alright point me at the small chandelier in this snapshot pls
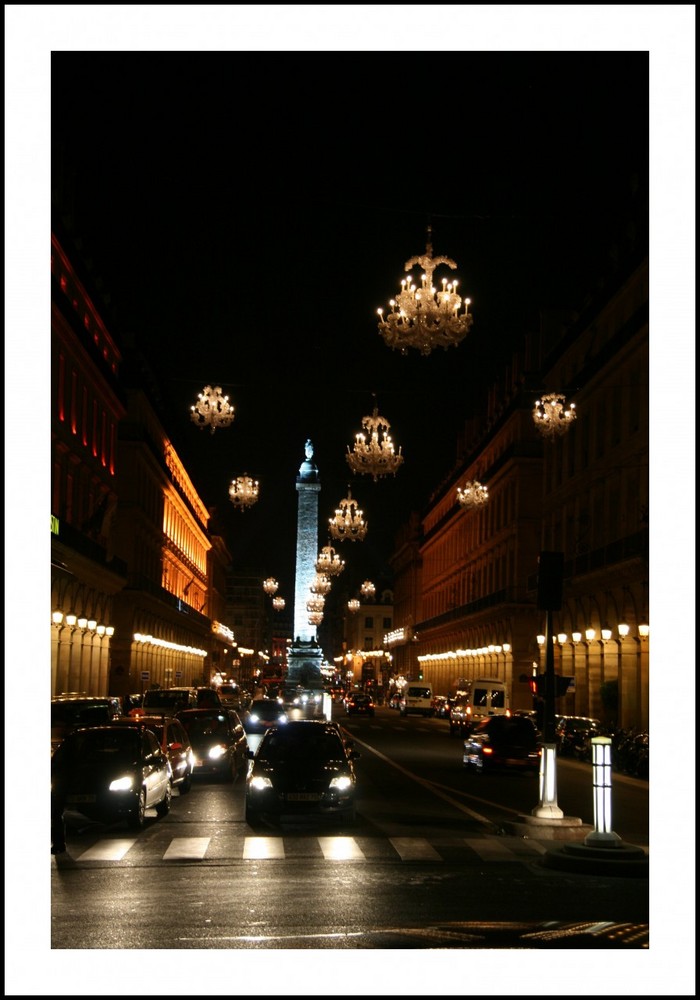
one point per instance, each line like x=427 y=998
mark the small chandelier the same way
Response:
x=316 y=603
x=270 y=586
x=321 y=584
x=368 y=589
x=353 y=606
x=243 y=491
x=551 y=415
x=424 y=318
x=473 y=495
x=315 y=617
x=329 y=562
x=376 y=457
x=212 y=409
x=278 y=603
x=348 y=521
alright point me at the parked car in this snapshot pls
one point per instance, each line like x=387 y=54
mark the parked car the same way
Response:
x=71 y=710
x=218 y=741
x=573 y=735
x=174 y=742
x=111 y=773
x=262 y=714
x=358 y=703
x=502 y=741
x=302 y=769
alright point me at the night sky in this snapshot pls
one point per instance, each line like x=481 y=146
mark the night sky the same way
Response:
x=248 y=212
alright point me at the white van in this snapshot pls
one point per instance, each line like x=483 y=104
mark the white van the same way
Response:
x=417 y=697
x=476 y=700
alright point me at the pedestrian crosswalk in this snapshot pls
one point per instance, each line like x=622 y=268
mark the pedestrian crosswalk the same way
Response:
x=328 y=848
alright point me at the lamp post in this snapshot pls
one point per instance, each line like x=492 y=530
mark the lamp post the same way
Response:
x=550 y=580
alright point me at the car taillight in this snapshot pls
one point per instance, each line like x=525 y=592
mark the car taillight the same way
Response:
x=487 y=749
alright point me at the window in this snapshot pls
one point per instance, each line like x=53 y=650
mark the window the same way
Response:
x=369 y=622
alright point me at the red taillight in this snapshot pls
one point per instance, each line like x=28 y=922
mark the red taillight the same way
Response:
x=487 y=750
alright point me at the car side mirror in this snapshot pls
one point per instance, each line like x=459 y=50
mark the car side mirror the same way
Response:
x=250 y=754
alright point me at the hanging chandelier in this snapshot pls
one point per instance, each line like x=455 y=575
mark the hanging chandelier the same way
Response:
x=353 y=606
x=348 y=521
x=473 y=494
x=424 y=318
x=374 y=457
x=278 y=603
x=368 y=589
x=270 y=586
x=329 y=562
x=552 y=416
x=321 y=584
x=315 y=617
x=243 y=491
x=316 y=603
x=212 y=409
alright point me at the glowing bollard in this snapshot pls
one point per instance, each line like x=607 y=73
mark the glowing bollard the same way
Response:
x=602 y=834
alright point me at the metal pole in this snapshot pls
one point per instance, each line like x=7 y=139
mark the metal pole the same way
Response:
x=547 y=805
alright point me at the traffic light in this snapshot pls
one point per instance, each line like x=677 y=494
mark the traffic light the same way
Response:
x=538 y=685
x=420 y=675
x=550 y=581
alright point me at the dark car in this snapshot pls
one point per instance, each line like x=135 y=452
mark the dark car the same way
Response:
x=111 y=773
x=218 y=741
x=207 y=697
x=502 y=741
x=573 y=735
x=175 y=744
x=359 y=704
x=302 y=769
x=441 y=706
x=262 y=714
x=168 y=701
x=68 y=711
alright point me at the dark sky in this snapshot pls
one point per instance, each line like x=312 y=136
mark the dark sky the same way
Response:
x=248 y=212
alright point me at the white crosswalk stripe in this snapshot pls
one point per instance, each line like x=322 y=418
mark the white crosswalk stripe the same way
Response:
x=340 y=849
x=414 y=849
x=263 y=848
x=187 y=849
x=108 y=850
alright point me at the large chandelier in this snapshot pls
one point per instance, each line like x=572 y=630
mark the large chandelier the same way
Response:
x=329 y=562
x=368 y=589
x=348 y=521
x=243 y=491
x=315 y=617
x=212 y=409
x=316 y=603
x=424 y=318
x=552 y=416
x=473 y=494
x=374 y=457
x=353 y=606
x=270 y=586
x=321 y=584
x=278 y=603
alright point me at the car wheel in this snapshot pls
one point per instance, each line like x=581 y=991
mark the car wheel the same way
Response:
x=163 y=807
x=138 y=816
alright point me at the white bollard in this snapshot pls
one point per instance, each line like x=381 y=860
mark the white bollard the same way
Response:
x=602 y=834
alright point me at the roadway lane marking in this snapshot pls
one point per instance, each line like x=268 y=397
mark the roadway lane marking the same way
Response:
x=414 y=849
x=107 y=850
x=187 y=848
x=340 y=849
x=263 y=847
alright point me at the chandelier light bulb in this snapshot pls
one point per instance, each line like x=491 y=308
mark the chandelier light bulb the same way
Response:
x=424 y=318
x=551 y=415
x=348 y=521
x=373 y=452
x=212 y=409
x=243 y=491
x=472 y=495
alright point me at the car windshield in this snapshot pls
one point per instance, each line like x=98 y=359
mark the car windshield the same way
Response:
x=204 y=724
x=419 y=692
x=107 y=744
x=164 y=699
x=266 y=709
x=79 y=714
x=299 y=744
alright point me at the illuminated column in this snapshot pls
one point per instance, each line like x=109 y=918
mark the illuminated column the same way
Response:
x=70 y=669
x=628 y=680
x=56 y=629
x=595 y=673
x=579 y=658
x=308 y=487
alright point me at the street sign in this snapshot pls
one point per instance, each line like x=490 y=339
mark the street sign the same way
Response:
x=178 y=674
x=145 y=675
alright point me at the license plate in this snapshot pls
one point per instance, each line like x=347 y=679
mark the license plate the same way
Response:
x=81 y=798
x=303 y=797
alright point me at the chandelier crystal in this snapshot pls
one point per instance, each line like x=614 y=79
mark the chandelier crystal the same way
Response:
x=212 y=409
x=368 y=589
x=243 y=491
x=315 y=617
x=423 y=318
x=552 y=416
x=270 y=586
x=348 y=521
x=278 y=603
x=353 y=606
x=321 y=584
x=374 y=457
x=329 y=562
x=473 y=494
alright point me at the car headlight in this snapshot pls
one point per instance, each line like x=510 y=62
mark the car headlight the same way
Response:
x=217 y=752
x=124 y=784
x=255 y=718
x=259 y=782
x=342 y=782
x=282 y=718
